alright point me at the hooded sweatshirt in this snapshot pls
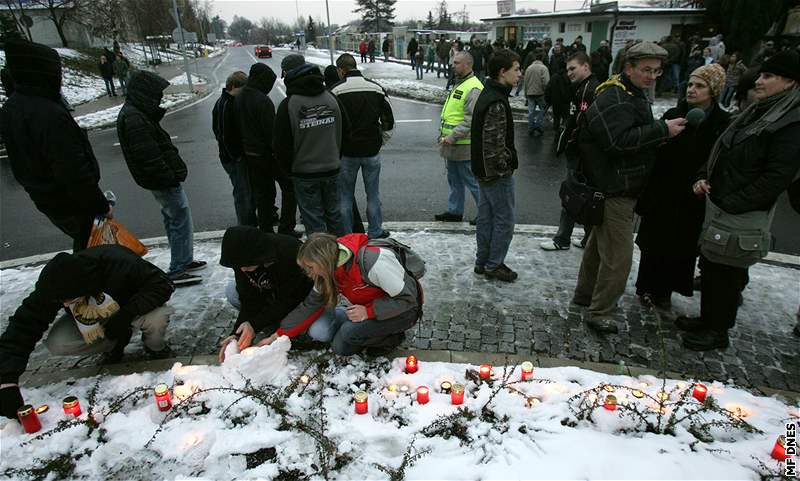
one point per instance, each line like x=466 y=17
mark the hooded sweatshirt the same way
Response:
x=273 y=290
x=309 y=126
x=257 y=112
x=151 y=156
x=135 y=284
x=50 y=155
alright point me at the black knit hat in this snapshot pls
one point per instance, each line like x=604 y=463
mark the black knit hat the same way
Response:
x=786 y=64
x=34 y=64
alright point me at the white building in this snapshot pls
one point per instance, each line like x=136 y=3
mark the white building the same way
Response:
x=600 y=22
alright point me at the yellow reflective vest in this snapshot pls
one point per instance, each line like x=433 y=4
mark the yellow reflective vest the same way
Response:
x=453 y=110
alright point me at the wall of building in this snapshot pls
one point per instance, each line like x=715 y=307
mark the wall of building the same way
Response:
x=44 y=31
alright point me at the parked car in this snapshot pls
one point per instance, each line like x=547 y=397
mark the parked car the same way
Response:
x=262 y=51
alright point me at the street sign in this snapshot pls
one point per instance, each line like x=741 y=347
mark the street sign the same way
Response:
x=189 y=37
x=211 y=37
x=506 y=7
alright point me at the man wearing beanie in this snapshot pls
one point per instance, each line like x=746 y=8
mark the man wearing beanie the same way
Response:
x=50 y=155
x=155 y=165
x=617 y=143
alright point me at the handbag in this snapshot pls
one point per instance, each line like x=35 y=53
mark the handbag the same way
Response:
x=583 y=203
x=109 y=231
x=738 y=240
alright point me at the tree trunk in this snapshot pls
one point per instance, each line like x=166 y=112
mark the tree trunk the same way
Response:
x=59 y=23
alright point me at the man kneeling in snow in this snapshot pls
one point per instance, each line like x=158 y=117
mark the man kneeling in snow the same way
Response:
x=106 y=291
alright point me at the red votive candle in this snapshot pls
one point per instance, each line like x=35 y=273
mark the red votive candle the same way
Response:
x=422 y=395
x=411 y=364
x=30 y=421
x=485 y=371
x=610 y=402
x=779 y=450
x=457 y=394
x=361 y=400
x=700 y=392
x=163 y=399
x=72 y=406
x=527 y=370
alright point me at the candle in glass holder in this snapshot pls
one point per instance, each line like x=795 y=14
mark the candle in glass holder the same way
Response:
x=457 y=394
x=779 y=450
x=163 y=399
x=609 y=388
x=533 y=401
x=403 y=389
x=700 y=392
x=305 y=379
x=411 y=364
x=637 y=393
x=422 y=395
x=445 y=387
x=392 y=388
x=360 y=399
x=527 y=370
x=610 y=402
x=29 y=419
x=485 y=371
x=663 y=395
x=72 y=406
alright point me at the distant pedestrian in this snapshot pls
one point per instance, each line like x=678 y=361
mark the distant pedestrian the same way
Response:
x=442 y=57
x=419 y=57
x=430 y=57
x=49 y=154
x=367 y=106
x=107 y=72
x=121 y=69
x=386 y=48
x=155 y=165
x=309 y=129
x=736 y=68
x=411 y=52
x=535 y=82
x=494 y=160
x=362 y=49
x=371 y=48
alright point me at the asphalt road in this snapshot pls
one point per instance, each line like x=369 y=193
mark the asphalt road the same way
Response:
x=413 y=181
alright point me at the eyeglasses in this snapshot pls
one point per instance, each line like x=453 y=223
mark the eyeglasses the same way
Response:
x=651 y=72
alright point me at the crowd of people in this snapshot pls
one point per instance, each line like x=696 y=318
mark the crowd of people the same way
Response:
x=704 y=183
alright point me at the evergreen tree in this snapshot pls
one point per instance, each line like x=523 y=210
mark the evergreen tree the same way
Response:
x=376 y=14
x=430 y=24
x=311 y=34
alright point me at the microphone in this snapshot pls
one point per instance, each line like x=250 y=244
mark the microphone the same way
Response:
x=695 y=117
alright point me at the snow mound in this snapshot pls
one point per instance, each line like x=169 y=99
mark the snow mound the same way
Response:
x=181 y=80
x=262 y=365
x=108 y=117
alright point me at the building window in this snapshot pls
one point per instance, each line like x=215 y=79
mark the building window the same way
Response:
x=535 y=31
x=575 y=27
x=562 y=27
x=588 y=27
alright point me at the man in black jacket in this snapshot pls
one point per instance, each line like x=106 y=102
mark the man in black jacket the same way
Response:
x=106 y=291
x=257 y=117
x=579 y=71
x=268 y=283
x=411 y=51
x=617 y=140
x=367 y=105
x=156 y=166
x=227 y=130
x=50 y=155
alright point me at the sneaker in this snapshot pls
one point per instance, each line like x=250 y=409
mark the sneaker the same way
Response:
x=552 y=246
x=185 y=279
x=448 y=217
x=196 y=266
x=479 y=270
x=689 y=324
x=602 y=325
x=165 y=353
x=706 y=340
x=580 y=244
x=501 y=273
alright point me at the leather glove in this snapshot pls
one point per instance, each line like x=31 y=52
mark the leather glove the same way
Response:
x=10 y=401
x=118 y=328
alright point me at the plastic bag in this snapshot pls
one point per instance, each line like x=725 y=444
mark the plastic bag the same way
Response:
x=109 y=231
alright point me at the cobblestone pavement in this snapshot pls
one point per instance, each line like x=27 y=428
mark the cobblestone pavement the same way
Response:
x=533 y=316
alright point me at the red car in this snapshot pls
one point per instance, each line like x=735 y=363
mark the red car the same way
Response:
x=263 y=52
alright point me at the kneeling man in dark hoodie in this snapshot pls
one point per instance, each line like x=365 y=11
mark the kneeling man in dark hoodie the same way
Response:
x=268 y=282
x=106 y=291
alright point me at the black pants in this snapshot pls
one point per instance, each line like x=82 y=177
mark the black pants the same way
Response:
x=76 y=225
x=262 y=184
x=721 y=286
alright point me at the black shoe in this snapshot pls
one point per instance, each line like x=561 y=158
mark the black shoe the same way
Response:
x=448 y=217
x=382 y=235
x=696 y=284
x=660 y=302
x=501 y=273
x=579 y=302
x=689 y=324
x=797 y=330
x=602 y=325
x=479 y=270
x=113 y=356
x=474 y=221
x=292 y=233
x=706 y=340
x=185 y=279
x=165 y=353
x=196 y=266
x=389 y=344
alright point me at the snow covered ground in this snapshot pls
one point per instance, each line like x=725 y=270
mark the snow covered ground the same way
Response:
x=134 y=53
x=181 y=80
x=104 y=118
x=255 y=417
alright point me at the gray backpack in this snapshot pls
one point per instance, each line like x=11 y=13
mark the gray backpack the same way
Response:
x=410 y=260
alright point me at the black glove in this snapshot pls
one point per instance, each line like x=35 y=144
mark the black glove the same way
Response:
x=118 y=328
x=10 y=401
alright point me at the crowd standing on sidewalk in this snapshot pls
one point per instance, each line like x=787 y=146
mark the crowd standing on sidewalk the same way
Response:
x=704 y=183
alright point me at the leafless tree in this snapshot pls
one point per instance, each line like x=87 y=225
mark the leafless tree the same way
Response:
x=59 y=12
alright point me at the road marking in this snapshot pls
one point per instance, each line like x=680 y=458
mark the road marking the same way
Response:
x=214 y=72
x=412 y=120
x=172 y=137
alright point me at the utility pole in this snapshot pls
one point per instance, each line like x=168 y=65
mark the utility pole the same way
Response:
x=331 y=44
x=183 y=42
x=554 y=5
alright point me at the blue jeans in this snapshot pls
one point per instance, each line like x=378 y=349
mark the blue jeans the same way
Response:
x=370 y=173
x=320 y=204
x=348 y=337
x=459 y=176
x=535 y=121
x=495 y=222
x=676 y=75
x=242 y=195
x=109 y=86
x=419 y=68
x=727 y=95
x=178 y=224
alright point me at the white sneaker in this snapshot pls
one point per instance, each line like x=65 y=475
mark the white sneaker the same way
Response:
x=552 y=246
x=578 y=243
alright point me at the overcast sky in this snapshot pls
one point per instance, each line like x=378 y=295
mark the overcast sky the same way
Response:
x=342 y=10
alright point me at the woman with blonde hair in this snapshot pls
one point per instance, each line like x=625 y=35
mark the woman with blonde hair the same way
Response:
x=382 y=299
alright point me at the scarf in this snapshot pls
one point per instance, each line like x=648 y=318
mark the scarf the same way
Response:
x=90 y=313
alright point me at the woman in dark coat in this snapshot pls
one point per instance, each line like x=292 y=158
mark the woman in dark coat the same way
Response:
x=672 y=215
x=755 y=160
